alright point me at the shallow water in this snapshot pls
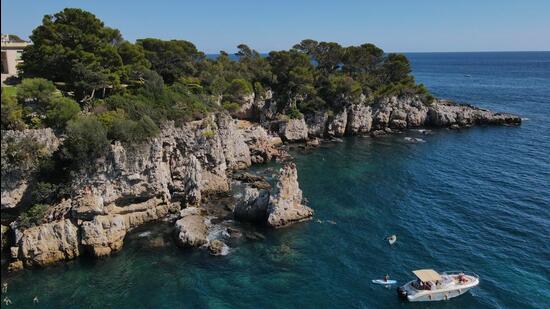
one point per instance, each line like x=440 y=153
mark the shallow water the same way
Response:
x=475 y=199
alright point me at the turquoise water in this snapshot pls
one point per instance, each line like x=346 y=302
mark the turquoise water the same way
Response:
x=476 y=199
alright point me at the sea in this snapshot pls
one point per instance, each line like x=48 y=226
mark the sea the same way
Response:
x=474 y=199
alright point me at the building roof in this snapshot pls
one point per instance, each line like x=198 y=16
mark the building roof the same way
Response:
x=427 y=275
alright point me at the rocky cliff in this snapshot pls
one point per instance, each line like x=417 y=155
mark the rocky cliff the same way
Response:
x=175 y=173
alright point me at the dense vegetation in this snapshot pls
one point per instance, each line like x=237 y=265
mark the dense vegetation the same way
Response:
x=84 y=80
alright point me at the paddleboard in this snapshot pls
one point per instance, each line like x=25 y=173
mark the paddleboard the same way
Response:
x=383 y=282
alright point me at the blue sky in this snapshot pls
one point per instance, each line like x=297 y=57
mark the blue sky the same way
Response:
x=396 y=25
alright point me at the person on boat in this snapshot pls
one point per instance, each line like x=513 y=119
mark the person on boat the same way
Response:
x=386 y=278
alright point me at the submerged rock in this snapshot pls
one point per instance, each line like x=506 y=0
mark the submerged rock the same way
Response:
x=218 y=247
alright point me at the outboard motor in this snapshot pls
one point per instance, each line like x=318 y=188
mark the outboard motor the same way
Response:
x=402 y=293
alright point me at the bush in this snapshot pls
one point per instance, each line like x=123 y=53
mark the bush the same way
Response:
x=231 y=106
x=209 y=133
x=12 y=113
x=43 y=193
x=127 y=130
x=24 y=153
x=61 y=110
x=238 y=88
x=36 y=90
x=86 y=139
x=33 y=215
x=294 y=113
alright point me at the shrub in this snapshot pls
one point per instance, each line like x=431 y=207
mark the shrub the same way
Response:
x=61 y=110
x=238 y=88
x=127 y=130
x=24 y=153
x=86 y=139
x=33 y=215
x=43 y=193
x=208 y=133
x=294 y=113
x=231 y=106
x=12 y=113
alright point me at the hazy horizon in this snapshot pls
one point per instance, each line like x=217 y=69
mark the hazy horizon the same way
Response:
x=400 y=26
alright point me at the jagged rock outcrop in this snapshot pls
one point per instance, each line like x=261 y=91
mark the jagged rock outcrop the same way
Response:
x=46 y=243
x=293 y=130
x=359 y=119
x=261 y=145
x=251 y=202
x=285 y=205
x=316 y=123
x=22 y=152
x=337 y=124
x=235 y=149
x=104 y=234
x=446 y=114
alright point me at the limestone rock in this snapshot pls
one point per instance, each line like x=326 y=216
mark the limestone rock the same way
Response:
x=217 y=247
x=285 y=205
x=337 y=125
x=47 y=243
x=316 y=123
x=359 y=119
x=191 y=231
x=293 y=130
x=104 y=235
x=251 y=203
x=235 y=149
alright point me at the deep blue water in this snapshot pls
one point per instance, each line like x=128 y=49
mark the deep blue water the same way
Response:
x=475 y=199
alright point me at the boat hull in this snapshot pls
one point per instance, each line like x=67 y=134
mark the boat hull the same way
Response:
x=408 y=293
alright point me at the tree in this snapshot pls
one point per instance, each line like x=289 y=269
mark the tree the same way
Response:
x=396 y=69
x=363 y=59
x=171 y=59
x=75 y=48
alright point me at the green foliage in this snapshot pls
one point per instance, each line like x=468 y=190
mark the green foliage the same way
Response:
x=36 y=90
x=43 y=193
x=208 y=133
x=33 y=216
x=86 y=139
x=231 y=106
x=24 y=153
x=294 y=113
x=171 y=59
x=75 y=48
x=61 y=110
x=12 y=113
x=238 y=88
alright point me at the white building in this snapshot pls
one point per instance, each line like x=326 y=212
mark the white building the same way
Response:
x=12 y=48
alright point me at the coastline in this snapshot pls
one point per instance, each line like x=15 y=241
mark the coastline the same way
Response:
x=175 y=175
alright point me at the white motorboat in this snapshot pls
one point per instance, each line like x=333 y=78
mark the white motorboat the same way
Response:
x=432 y=286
